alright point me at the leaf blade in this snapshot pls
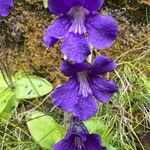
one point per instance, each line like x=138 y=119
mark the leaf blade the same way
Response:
x=28 y=87
x=44 y=130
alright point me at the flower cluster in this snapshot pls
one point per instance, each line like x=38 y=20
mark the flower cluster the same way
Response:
x=5 y=7
x=80 y=26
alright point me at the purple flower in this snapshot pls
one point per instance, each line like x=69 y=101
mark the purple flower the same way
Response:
x=78 y=138
x=5 y=7
x=80 y=25
x=78 y=94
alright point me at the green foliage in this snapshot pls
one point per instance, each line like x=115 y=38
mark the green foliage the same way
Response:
x=130 y=108
x=25 y=87
x=44 y=130
x=28 y=87
x=8 y=103
x=98 y=125
x=146 y=82
x=3 y=84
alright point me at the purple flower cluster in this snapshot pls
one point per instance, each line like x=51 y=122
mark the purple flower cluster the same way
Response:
x=5 y=7
x=78 y=138
x=80 y=26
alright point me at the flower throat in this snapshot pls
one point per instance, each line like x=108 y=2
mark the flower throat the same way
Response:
x=78 y=13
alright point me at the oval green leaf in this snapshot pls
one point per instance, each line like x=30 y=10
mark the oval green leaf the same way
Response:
x=28 y=87
x=3 y=84
x=2 y=81
x=8 y=102
x=44 y=130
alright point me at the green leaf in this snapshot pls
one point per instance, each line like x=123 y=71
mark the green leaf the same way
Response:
x=28 y=87
x=8 y=102
x=2 y=81
x=44 y=130
x=108 y=145
x=98 y=125
x=146 y=82
x=3 y=85
x=45 y=3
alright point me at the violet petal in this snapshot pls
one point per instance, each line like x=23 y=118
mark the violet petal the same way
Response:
x=72 y=69
x=102 y=89
x=102 y=30
x=5 y=7
x=93 y=142
x=103 y=64
x=49 y=41
x=57 y=30
x=66 y=96
x=61 y=6
x=85 y=108
x=64 y=144
x=76 y=47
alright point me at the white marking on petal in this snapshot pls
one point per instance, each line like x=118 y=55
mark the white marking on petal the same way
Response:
x=78 y=13
x=85 y=89
x=79 y=143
